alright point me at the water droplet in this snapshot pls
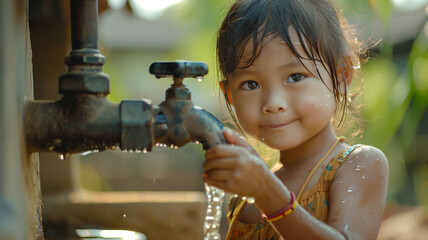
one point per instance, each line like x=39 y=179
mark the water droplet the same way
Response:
x=358 y=168
x=88 y=152
x=250 y=200
x=62 y=156
x=199 y=78
x=349 y=189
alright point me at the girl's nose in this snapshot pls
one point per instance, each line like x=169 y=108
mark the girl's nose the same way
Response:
x=274 y=102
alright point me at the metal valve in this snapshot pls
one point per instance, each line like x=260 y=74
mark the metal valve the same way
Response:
x=178 y=71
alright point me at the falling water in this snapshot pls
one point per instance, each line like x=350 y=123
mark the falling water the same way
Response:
x=215 y=199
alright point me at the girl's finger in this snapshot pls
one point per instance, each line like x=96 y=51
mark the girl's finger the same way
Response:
x=218 y=175
x=221 y=163
x=236 y=139
x=221 y=151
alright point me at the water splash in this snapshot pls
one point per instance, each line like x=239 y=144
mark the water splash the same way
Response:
x=215 y=199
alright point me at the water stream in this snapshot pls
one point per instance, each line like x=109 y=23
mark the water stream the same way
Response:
x=215 y=199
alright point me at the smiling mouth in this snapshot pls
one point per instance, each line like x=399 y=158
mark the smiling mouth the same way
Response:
x=275 y=125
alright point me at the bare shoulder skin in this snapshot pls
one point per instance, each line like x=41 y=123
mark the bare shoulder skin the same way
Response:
x=358 y=193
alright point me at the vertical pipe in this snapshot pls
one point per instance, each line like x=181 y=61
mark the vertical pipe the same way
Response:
x=84 y=28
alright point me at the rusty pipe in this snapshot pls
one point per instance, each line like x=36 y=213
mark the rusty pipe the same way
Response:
x=85 y=122
x=75 y=123
x=84 y=119
x=84 y=27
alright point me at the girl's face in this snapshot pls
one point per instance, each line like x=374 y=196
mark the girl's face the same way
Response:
x=277 y=100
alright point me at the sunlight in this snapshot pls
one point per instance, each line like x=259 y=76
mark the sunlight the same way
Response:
x=409 y=4
x=151 y=9
x=116 y=4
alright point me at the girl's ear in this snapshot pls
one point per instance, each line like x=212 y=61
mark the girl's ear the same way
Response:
x=346 y=75
x=226 y=92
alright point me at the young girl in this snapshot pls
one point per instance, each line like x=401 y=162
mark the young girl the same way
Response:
x=287 y=65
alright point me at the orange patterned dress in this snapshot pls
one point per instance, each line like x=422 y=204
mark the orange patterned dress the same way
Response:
x=315 y=201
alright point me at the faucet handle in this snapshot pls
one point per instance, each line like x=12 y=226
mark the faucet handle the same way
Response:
x=179 y=69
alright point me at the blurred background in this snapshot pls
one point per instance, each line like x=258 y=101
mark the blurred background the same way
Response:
x=135 y=33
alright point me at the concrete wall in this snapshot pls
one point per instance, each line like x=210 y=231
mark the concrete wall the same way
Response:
x=20 y=197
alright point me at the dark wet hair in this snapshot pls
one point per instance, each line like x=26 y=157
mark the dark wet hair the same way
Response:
x=323 y=33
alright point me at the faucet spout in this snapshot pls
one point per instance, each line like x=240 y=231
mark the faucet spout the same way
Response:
x=178 y=122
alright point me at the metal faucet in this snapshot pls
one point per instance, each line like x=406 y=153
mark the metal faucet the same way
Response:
x=84 y=119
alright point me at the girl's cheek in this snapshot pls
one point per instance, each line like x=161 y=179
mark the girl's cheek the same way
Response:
x=309 y=107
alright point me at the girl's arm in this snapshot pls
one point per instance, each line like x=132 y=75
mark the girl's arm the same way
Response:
x=357 y=195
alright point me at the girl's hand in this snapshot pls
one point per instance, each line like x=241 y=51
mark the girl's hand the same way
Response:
x=235 y=167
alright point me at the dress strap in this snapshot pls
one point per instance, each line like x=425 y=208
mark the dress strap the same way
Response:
x=234 y=216
x=341 y=139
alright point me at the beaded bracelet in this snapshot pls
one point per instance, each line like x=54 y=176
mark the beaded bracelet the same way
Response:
x=283 y=212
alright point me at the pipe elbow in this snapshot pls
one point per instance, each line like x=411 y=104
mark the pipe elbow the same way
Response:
x=178 y=122
x=204 y=128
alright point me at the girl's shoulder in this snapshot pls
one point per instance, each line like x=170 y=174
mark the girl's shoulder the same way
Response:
x=364 y=160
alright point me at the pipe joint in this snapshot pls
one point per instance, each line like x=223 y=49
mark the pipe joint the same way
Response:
x=136 y=121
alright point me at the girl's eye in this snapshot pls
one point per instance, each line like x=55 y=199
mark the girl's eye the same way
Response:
x=250 y=85
x=295 y=77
